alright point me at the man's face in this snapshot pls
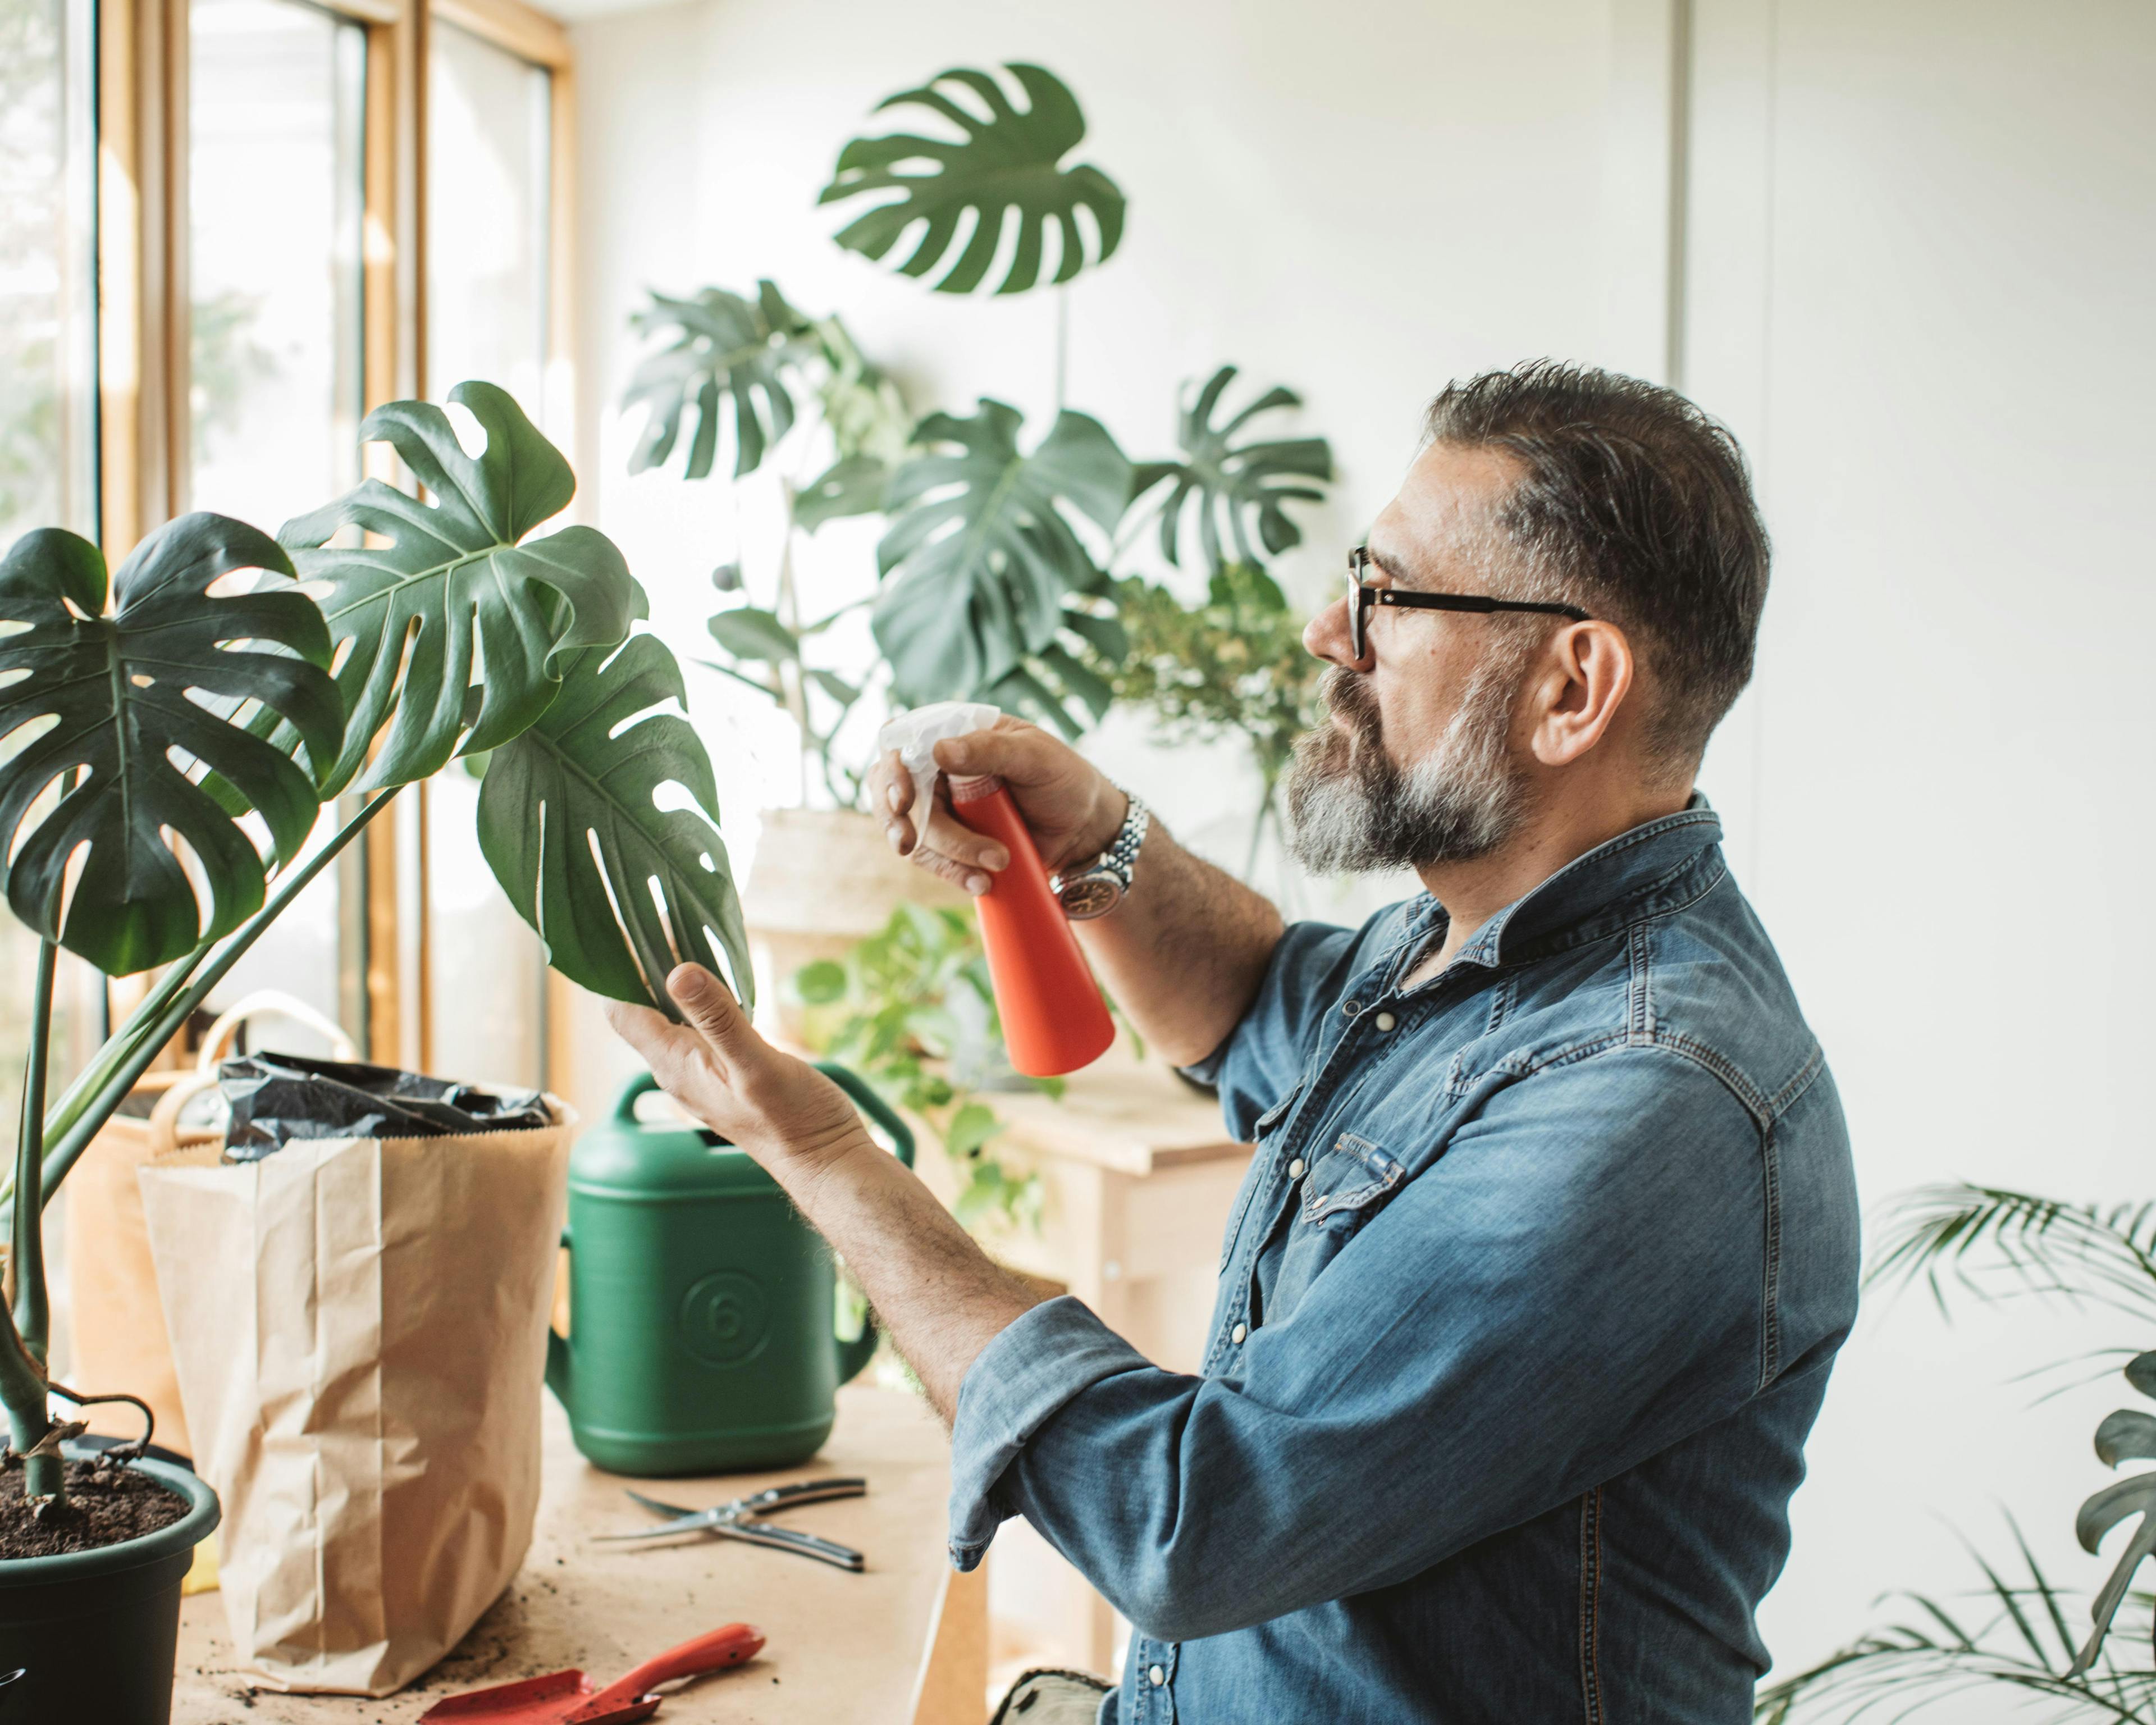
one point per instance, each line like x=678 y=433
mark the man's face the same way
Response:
x=1417 y=764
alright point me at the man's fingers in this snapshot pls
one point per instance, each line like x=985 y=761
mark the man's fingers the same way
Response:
x=890 y=788
x=644 y=1030
x=950 y=836
x=962 y=876
x=710 y=1008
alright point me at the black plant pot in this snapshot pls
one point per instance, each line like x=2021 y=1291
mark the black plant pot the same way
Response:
x=92 y=1635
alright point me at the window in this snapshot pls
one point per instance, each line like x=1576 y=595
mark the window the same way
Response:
x=48 y=423
x=48 y=350
x=276 y=197
x=490 y=301
x=223 y=204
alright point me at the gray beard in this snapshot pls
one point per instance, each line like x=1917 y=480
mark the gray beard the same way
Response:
x=1352 y=810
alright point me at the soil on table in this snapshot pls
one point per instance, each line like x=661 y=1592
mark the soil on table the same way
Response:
x=105 y=1505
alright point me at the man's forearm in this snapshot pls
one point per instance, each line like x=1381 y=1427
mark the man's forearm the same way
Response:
x=1184 y=952
x=938 y=1295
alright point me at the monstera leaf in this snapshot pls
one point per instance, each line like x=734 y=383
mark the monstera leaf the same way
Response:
x=1056 y=685
x=1236 y=487
x=618 y=888
x=980 y=555
x=140 y=704
x=2127 y=1434
x=457 y=625
x=853 y=484
x=724 y=352
x=1006 y=162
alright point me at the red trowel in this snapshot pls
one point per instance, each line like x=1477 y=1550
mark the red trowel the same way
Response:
x=568 y=1698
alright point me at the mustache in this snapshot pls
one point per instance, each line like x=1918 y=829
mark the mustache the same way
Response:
x=1346 y=694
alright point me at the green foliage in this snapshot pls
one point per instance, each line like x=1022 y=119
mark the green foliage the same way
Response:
x=1009 y=161
x=2021 y=1644
x=1996 y=1244
x=1233 y=667
x=981 y=560
x=1993 y=1243
x=618 y=889
x=885 y=1009
x=116 y=697
x=1234 y=488
x=487 y=616
x=720 y=351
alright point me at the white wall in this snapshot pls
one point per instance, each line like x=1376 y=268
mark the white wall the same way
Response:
x=1920 y=256
x=1914 y=279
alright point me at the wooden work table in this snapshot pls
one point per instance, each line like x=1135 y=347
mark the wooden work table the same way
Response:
x=904 y=1643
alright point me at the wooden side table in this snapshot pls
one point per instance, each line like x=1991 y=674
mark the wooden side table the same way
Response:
x=1140 y=1175
x=906 y=1643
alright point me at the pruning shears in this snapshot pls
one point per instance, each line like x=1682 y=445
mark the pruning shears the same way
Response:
x=744 y=1519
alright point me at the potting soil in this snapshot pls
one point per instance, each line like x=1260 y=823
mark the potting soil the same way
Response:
x=106 y=1504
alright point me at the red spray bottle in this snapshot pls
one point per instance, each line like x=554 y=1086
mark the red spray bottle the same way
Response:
x=1054 y=1019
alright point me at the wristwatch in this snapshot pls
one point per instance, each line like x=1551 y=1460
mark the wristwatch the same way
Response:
x=1095 y=890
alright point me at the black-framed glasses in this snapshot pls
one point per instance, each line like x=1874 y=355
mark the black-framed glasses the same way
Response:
x=1361 y=596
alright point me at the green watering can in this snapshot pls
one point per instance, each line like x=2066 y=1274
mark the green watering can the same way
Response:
x=700 y=1303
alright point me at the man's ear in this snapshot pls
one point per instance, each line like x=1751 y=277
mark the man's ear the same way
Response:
x=1584 y=676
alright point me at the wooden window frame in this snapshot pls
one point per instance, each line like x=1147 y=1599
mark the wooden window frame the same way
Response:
x=142 y=346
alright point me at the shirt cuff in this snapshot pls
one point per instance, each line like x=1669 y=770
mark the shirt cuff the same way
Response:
x=1016 y=1385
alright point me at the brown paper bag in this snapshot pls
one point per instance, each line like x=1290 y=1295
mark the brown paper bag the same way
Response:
x=116 y=1329
x=360 y=1329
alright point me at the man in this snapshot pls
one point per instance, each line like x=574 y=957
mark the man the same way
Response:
x=1527 y=1303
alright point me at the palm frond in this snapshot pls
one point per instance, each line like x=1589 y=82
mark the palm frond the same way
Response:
x=1908 y=1669
x=1995 y=1244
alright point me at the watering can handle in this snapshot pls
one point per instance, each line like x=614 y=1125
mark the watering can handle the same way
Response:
x=863 y=1097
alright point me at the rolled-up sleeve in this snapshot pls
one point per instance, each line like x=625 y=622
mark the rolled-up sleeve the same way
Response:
x=1574 y=1285
x=1016 y=1383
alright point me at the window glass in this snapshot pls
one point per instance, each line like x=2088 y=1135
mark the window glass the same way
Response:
x=48 y=324
x=276 y=200
x=487 y=230
x=488 y=163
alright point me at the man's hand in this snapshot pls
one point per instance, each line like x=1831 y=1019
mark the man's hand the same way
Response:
x=780 y=1110
x=937 y=1295
x=1071 y=807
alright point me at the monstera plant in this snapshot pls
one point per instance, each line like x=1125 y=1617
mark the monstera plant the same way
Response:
x=176 y=731
x=997 y=568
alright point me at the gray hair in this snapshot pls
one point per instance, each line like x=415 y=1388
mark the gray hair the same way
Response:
x=1637 y=507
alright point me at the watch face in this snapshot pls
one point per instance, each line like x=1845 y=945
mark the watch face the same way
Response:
x=1091 y=895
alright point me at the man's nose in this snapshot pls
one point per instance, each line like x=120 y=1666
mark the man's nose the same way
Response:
x=1325 y=636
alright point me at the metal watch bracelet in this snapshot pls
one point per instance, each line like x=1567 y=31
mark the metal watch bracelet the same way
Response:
x=1098 y=889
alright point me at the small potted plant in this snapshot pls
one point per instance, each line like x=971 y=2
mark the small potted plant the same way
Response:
x=175 y=732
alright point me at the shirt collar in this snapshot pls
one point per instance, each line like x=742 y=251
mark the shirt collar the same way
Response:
x=1595 y=894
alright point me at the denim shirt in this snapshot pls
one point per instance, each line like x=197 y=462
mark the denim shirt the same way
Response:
x=1527 y=1305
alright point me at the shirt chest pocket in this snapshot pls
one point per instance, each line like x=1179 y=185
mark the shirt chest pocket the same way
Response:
x=1348 y=1179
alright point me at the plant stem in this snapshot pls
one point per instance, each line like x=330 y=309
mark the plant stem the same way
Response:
x=32 y=1311
x=117 y=1047
x=64 y=1154
x=29 y=1404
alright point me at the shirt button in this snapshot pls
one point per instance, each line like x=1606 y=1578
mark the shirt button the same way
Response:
x=1386 y=1021
x=1295 y=1169
x=1239 y=1335
x=1351 y=1008
x=1156 y=1677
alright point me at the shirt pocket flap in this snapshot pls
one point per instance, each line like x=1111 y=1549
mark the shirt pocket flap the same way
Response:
x=1350 y=1176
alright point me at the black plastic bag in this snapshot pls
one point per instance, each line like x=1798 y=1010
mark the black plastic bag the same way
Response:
x=275 y=1098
